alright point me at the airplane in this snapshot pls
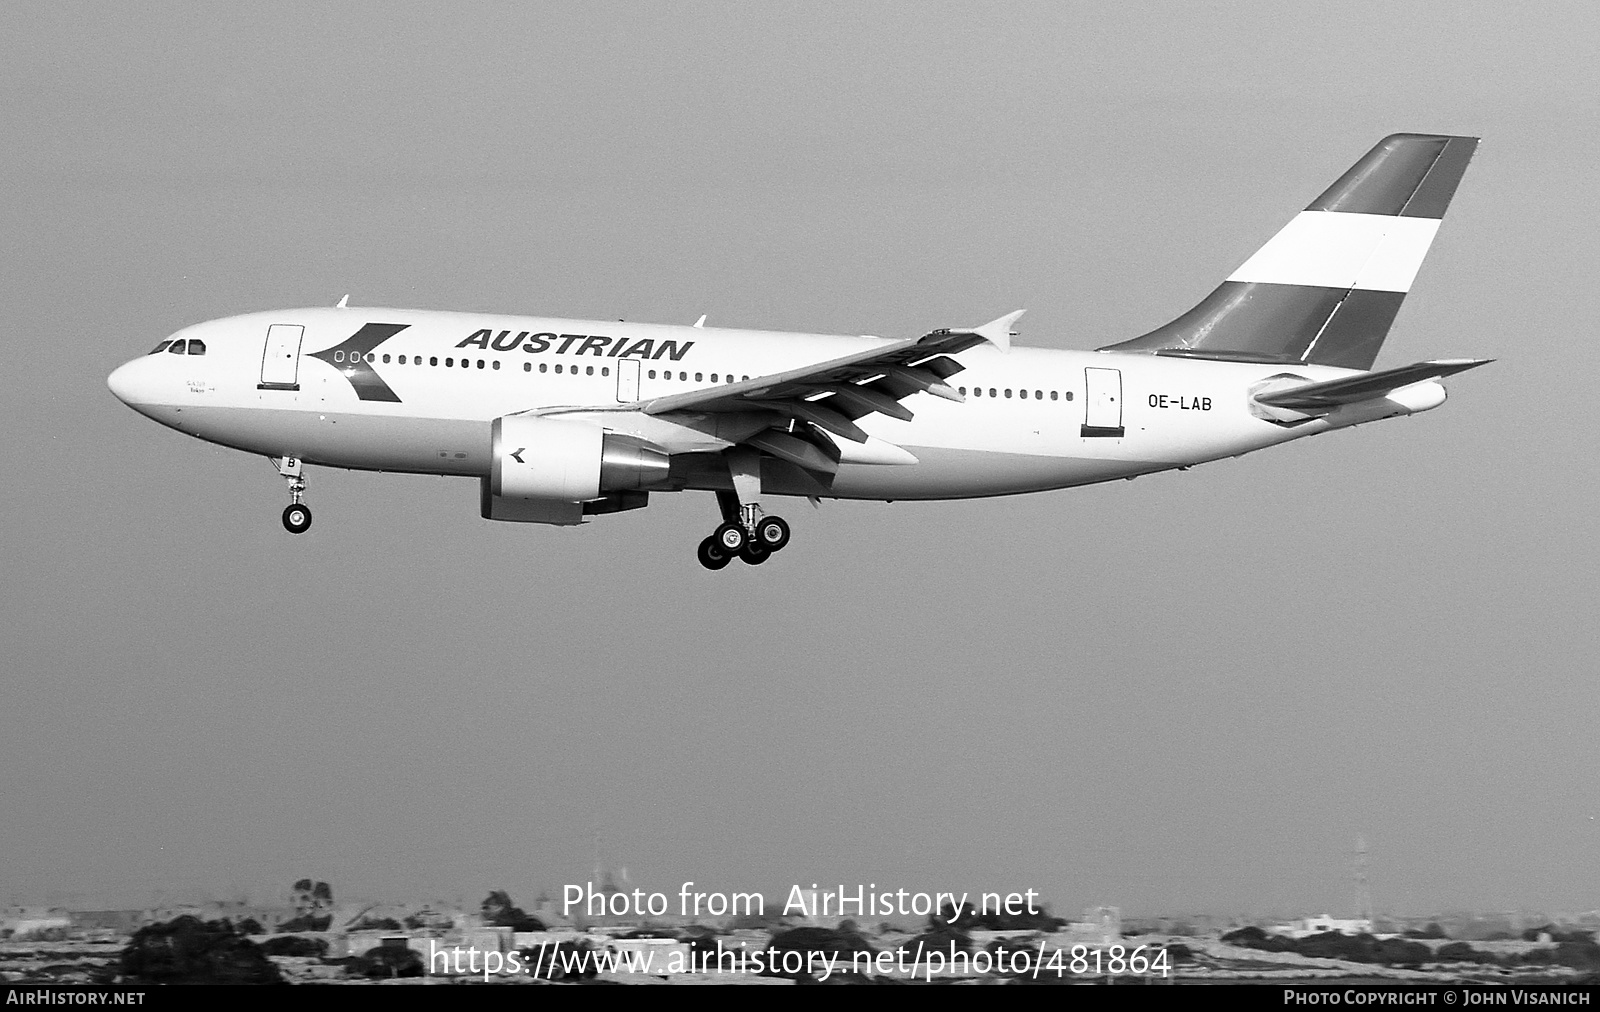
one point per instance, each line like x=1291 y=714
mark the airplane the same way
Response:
x=562 y=420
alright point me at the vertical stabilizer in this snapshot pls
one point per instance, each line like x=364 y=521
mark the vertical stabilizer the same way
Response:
x=1325 y=289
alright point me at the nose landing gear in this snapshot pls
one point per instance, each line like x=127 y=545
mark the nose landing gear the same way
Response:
x=297 y=515
x=296 y=518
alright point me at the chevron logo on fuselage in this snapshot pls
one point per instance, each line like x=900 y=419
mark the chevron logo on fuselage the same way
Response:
x=353 y=359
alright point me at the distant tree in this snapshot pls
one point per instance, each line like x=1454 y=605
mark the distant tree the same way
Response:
x=389 y=961
x=1252 y=937
x=498 y=911
x=826 y=941
x=1432 y=931
x=376 y=924
x=939 y=937
x=295 y=945
x=1461 y=952
x=307 y=922
x=311 y=897
x=186 y=950
x=1402 y=952
x=251 y=926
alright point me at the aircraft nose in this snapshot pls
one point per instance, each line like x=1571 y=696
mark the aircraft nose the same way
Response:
x=125 y=383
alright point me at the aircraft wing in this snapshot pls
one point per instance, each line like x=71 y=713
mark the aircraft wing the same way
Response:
x=829 y=396
x=1350 y=389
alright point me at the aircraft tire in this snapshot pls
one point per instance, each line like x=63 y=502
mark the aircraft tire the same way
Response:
x=731 y=538
x=754 y=553
x=773 y=533
x=297 y=518
x=711 y=554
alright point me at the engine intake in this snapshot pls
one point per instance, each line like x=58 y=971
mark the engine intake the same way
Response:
x=552 y=458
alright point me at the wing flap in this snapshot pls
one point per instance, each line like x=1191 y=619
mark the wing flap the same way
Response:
x=832 y=394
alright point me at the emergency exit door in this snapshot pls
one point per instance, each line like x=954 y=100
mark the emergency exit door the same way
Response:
x=627 y=380
x=1102 y=402
x=280 y=359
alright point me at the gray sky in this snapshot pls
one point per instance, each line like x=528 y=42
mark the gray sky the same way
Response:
x=1189 y=692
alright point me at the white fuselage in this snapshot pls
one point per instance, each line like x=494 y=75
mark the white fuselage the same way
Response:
x=1032 y=419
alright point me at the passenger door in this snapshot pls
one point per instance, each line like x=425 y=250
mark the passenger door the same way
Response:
x=280 y=358
x=627 y=380
x=1102 y=402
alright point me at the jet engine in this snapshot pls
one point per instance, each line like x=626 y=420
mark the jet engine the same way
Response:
x=568 y=461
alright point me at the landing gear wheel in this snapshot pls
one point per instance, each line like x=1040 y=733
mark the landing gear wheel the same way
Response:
x=297 y=518
x=711 y=554
x=754 y=553
x=730 y=538
x=772 y=533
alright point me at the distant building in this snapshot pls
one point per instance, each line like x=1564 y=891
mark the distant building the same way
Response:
x=34 y=923
x=1317 y=925
x=1101 y=926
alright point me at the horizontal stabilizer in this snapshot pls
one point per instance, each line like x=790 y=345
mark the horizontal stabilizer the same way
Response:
x=1351 y=389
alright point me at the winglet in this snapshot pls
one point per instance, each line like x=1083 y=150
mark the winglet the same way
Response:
x=701 y=322
x=343 y=303
x=998 y=332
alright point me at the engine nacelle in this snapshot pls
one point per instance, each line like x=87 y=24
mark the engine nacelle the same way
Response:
x=570 y=461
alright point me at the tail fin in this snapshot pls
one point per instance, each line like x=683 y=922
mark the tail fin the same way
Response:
x=1325 y=290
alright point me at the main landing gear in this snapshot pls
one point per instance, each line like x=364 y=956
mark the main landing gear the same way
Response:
x=745 y=531
x=297 y=515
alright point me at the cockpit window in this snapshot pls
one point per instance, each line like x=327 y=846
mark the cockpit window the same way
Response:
x=176 y=349
x=197 y=347
x=158 y=349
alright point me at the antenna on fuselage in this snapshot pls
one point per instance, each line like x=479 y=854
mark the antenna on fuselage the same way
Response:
x=343 y=303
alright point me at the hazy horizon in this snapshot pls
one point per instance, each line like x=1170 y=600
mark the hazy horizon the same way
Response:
x=1188 y=692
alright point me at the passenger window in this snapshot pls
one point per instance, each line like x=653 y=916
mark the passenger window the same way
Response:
x=544 y=367
x=652 y=371
x=683 y=376
x=992 y=393
x=1038 y=395
x=480 y=363
x=699 y=377
x=497 y=363
x=713 y=377
x=1023 y=394
x=176 y=349
x=197 y=347
x=158 y=349
x=605 y=370
x=1068 y=395
x=386 y=360
x=433 y=360
x=402 y=360
x=558 y=369
x=744 y=378
x=1008 y=391
x=963 y=391
x=1052 y=395
x=588 y=370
